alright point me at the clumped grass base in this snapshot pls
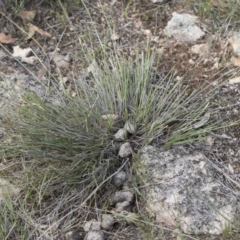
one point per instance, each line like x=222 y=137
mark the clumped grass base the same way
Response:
x=65 y=151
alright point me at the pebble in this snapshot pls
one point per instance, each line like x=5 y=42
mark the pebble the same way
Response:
x=130 y=126
x=95 y=235
x=120 y=135
x=107 y=221
x=73 y=236
x=125 y=150
x=92 y=225
x=123 y=206
x=121 y=196
x=119 y=179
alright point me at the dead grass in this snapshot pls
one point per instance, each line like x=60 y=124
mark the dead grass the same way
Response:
x=222 y=15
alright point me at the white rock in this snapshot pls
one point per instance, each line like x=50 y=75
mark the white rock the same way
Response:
x=183 y=28
x=115 y=37
x=73 y=236
x=110 y=116
x=23 y=53
x=147 y=32
x=107 y=221
x=125 y=150
x=92 y=225
x=120 y=135
x=60 y=60
x=235 y=42
x=234 y=80
x=95 y=235
x=191 y=61
x=182 y=190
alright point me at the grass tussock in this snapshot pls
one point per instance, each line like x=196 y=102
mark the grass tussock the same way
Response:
x=129 y=89
x=65 y=149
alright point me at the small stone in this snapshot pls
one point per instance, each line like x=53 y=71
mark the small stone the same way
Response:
x=73 y=236
x=59 y=60
x=120 y=135
x=235 y=42
x=130 y=126
x=115 y=37
x=121 y=196
x=95 y=235
x=68 y=57
x=178 y=78
x=234 y=80
x=107 y=221
x=92 y=225
x=216 y=65
x=235 y=61
x=147 y=32
x=110 y=116
x=123 y=206
x=191 y=61
x=119 y=179
x=125 y=150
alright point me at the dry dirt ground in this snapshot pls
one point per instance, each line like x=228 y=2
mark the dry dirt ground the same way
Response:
x=127 y=25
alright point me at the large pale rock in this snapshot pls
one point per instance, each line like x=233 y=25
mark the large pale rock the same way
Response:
x=183 y=28
x=183 y=192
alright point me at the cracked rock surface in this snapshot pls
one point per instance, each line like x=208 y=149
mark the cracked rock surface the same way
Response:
x=183 y=190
